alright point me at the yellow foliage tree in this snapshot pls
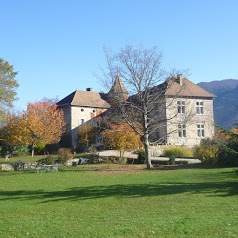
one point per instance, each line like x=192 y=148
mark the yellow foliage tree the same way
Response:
x=121 y=137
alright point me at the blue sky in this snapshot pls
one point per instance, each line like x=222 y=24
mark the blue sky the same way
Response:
x=57 y=45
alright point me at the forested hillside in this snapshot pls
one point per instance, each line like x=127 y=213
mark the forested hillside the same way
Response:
x=226 y=101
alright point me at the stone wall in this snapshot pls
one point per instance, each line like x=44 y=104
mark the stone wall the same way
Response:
x=18 y=166
x=157 y=150
x=6 y=167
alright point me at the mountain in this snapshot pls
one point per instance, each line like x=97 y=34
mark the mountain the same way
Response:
x=226 y=101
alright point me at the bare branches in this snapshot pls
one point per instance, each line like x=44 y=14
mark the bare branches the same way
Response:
x=149 y=110
x=140 y=71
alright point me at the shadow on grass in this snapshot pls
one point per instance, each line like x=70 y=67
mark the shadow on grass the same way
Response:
x=221 y=189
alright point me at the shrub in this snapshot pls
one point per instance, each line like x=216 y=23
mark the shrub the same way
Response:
x=21 y=150
x=141 y=159
x=92 y=150
x=228 y=153
x=227 y=156
x=207 y=151
x=40 y=149
x=6 y=150
x=172 y=159
x=48 y=160
x=94 y=158
x=18 y=150
x=122 y=160
x=109 y=159
x=177 y=151
x=64 y=154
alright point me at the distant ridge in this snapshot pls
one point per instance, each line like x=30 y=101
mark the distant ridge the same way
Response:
x=226 y=101
x=219 y=84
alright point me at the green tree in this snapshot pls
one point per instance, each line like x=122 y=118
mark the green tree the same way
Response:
x=8 y=86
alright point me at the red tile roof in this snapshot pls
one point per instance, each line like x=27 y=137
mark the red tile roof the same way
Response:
x=185 y=88
x=85 y=99
x=179 y=86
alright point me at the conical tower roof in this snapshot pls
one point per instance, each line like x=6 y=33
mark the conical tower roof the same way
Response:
x=118 y=89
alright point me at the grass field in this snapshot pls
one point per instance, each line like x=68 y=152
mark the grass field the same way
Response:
x=120 y=201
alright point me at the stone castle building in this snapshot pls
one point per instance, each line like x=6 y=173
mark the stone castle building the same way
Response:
x=186 y=111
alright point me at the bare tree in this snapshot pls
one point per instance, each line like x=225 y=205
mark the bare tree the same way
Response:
x=141 y=72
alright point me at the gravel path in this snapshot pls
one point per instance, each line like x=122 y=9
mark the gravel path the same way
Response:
x=154 y=158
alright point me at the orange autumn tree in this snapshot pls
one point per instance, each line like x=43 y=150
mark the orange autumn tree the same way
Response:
x=43 y=123
x=121 y=137
x=11 y=132
x=220 y=135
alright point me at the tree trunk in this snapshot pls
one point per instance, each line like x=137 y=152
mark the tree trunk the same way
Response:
x=147 y=152
x=146 y=138
x=32 y=150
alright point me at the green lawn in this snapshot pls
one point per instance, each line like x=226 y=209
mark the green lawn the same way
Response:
x=114 y=201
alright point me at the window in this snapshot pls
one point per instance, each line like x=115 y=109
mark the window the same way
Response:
x=82 y=110
x=199 y=107
x=182 y=130
x=82 y=121
x=200 y=130
x=181 y=107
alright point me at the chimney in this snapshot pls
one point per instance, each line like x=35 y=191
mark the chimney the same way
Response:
x=180 y=79
x=89 y=89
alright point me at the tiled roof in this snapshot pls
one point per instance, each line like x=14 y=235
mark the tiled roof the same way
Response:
x=85 y=99
x=183 y=87
x=179 y=86
x=119 y=89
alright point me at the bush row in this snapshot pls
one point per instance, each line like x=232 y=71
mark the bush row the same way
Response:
x=212 y=152
x=209 y=152
x=178 y=151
